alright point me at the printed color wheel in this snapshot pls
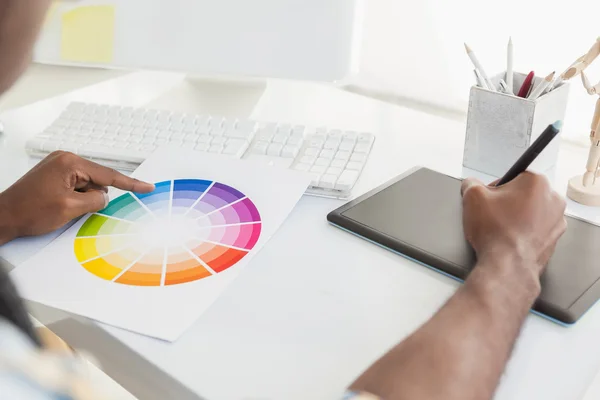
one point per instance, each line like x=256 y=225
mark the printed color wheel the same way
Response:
x=184 y=230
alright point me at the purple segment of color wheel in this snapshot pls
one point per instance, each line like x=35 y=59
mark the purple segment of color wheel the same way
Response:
x=243 y=211
x=217 y=197
x=246 y=211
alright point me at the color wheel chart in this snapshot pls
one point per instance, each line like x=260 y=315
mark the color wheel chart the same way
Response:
x=184 y=230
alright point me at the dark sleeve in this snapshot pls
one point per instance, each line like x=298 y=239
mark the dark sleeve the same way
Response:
x=12 y=308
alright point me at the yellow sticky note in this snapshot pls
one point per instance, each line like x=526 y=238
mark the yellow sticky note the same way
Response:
x=88 y=34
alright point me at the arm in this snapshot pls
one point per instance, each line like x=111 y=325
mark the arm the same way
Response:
x=20 y=24
x=461 y=352
x=60 y=188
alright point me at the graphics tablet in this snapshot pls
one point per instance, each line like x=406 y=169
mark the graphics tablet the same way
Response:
x=419 y=215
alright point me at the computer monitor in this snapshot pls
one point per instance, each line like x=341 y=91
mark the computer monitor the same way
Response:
x=298 y=39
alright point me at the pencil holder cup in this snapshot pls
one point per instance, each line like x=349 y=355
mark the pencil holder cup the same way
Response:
x=501 y=126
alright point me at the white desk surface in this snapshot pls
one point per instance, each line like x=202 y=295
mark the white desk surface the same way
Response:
x=317 y=305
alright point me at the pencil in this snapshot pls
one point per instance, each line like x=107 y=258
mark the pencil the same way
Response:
x=480 y=80
x=509 y=65
x=541 y=87
x=478 y=66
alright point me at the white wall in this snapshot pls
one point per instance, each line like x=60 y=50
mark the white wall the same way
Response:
x=416 y=47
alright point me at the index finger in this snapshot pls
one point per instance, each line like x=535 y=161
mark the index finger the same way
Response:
x=105 y=176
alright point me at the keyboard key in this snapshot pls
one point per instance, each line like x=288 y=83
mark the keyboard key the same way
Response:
x=318 y=169
x=52 y=145
x=298 y=130
x=319 y=136
x=36 y=144
x=69 y=146
x=260 y=148
x=217 y=131
x=125 y=130
x=205 y=139
x=358 y=157
x=177 y=135
x=316 y=143
x=202 y=121
x=151 y=133
x=335 y=134
x=149 y=148
x=150 y=123
x=311 y=151
x=279 y=138
x=269 y=127
x=190 y=137
x=133 y=155
x=202 y=147
x=328 y=181
x=219 y=140
x=316 y=177
x=338 y=163
x=346 y=180
x=235 y=147
x=321 y=161
x=120 y=145
x=247 y=125
x=138 y=132
x=362 y=147
x=365 y=138
x=216 y=149
x=331 y=144
x=347 y=145
x=190 y=127
x=310 y=160
x=342 y=155
x=147 y=140
x=350 y=135
x=265 y=136
x=229 y=124
x=164 y=116
x=126 y=112
x=137 y=123
x=176 y=142
x=177 y=117
x=176 y=127
x=239 y=134
x=333 y=171
x=327 y=154
x=302 y=167
x=290 y=151
x=295 y=140
x=274 y=149
x=160 y=142
x=284 y=129
x=163 y=125
x=354 y=166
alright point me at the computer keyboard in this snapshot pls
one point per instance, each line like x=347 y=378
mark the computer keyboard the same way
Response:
x=122 y=138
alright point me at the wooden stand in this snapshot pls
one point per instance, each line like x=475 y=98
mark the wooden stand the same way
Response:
x=586 y=195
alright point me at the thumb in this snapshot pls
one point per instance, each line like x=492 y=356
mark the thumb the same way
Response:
x=468 y=184
x=90 y=201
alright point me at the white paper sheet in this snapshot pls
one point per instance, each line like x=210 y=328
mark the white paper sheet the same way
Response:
x=56 y=276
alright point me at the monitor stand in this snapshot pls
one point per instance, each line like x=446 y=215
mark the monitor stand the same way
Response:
x=212 y=96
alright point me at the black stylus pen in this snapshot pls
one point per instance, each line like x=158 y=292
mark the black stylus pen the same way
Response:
x=531 y=153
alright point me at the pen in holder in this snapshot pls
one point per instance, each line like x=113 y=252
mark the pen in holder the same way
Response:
x=501 y=126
